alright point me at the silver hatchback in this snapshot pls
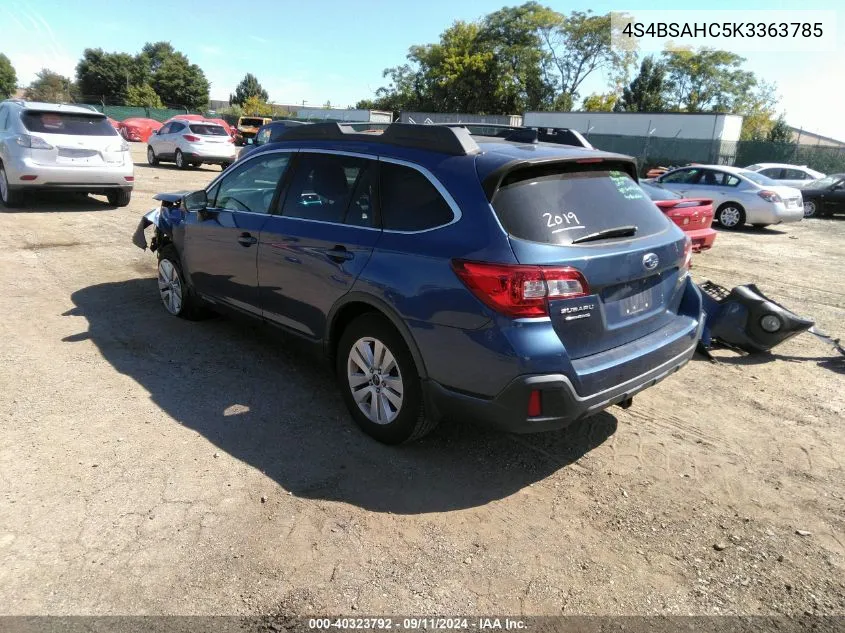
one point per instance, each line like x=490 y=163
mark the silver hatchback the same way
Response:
x=739 y=196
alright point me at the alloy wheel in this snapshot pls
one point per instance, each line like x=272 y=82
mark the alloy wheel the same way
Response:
x=170 y=286
x=809 y=209
x=375 y=380
x=729 y=217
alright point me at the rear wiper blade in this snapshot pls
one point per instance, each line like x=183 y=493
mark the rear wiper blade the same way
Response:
x=619 y=231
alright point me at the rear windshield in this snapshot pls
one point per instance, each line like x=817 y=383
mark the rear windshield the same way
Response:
x=252 y=122
x=657 y=191
x=208 y=130
x=67 y=123
x=760 y=179
x=552 y=206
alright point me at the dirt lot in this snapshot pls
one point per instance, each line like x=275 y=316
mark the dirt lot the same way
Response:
x=151 y=465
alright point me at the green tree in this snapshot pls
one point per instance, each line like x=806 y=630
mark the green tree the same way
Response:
x=249 y=87
x=143 y=97
x=781 y=132
x=257 y=106
x=706 y=80
x=51 y=87
x=579 y=45
x=178 y=82
x=646 y=92
x=153 y=55
x=758 y=107
x=8 y=78
x=108 y=76
x=599 y=103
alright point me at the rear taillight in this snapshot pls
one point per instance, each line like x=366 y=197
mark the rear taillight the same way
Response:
x=520 y=291
x=191 y=138
x=769 y=196
x=687 y=254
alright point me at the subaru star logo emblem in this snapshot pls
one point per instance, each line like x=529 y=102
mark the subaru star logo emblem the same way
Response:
x=650 y=261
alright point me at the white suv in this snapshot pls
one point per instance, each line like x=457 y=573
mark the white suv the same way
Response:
x=49 y=147
x=191 y=143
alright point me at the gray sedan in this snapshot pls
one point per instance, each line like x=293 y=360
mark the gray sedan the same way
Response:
x=739 y=196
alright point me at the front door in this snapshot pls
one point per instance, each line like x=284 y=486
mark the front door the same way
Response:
x=222 y=242
x=313 y=251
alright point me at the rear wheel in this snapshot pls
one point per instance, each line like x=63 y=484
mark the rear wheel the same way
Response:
x=119 y=198
x=730 y=215
x=8 y=197
x=151 y=156
x=176 y=294
x=181 y=163
x=380 y=383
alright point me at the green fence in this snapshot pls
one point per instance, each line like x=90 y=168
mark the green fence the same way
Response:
x=651 y=152
x=121 y=113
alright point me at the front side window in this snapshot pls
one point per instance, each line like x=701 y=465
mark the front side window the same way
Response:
x=251 y=186
x=263 y=136
x=409 y=201
x=322 y=185
x=67 y=123
x=681 y=176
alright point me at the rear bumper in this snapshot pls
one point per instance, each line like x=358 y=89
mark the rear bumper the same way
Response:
x=81 y=178
x=702 y=239
x=561 y=403
x=774 y=214
x=213 y=159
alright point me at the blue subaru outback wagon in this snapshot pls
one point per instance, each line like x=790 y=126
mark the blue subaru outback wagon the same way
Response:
x=498 y=279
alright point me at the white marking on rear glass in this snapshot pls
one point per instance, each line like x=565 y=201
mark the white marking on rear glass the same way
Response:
x=568 y=228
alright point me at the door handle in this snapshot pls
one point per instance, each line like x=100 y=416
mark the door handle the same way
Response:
x=246 y=240
x=339 y=254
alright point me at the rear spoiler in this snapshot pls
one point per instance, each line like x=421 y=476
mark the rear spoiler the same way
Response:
x=494 y=180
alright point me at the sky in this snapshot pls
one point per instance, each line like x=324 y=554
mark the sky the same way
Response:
x=328 y=50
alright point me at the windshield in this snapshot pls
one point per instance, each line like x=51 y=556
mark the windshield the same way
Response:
x=251 y=122
x=207 y=130
x=656 y=191
x=560 y=204
x=67 y=123
x=827 y=181
x=759 y=179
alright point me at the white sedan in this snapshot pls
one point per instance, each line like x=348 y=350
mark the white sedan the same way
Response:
x=787 y=175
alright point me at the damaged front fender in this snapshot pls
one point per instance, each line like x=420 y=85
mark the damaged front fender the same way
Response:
x=165 y=218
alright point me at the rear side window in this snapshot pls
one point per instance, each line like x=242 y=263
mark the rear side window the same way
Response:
x=207 y=130
x=409 y=201
x=67 y=123
x=557 y=208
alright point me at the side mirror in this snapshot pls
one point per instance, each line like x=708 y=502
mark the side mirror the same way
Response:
x=196 y=201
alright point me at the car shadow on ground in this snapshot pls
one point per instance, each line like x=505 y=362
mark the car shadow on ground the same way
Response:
x=60 y=202
x=834 y=362
x=172 y=167
x=749 y=228
x=265 y=399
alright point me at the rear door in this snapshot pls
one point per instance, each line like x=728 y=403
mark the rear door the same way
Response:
x=311 y=253
x=221 y=246
x=635 y=281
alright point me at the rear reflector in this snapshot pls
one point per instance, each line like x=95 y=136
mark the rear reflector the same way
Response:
x=520 y=291
x=687 y=253
x=535 y=404
x=129 y=178
x=28 y=177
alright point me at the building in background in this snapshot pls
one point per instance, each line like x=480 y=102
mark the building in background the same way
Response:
x=803 y=137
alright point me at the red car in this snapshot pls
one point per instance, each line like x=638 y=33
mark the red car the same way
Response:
x=693 y=215
x=138 y=129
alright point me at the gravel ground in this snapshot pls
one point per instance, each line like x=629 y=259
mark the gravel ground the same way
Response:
x=150 y=465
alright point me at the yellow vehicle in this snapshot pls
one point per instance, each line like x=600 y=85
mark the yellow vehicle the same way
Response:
x=248 y=127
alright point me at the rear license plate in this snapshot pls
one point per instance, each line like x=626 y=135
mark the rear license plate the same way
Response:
x=636 y=303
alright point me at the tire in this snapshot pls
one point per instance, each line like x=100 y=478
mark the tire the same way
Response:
x=119 y=198
x=8 y=198
x=399 y=414
x=730 y=215
x=176 y=295
x=151 y=156
x=811 y=209
x=180 y=160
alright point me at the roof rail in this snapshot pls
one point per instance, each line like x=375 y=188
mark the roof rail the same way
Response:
x=446 y=140
x=20 y=102
x=523 y=134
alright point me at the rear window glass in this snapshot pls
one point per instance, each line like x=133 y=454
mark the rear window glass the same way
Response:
x=755 y=177
x=409 y=202
x=208 y=130
x=541 y=205
x=67 y=123
x=658 y=192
